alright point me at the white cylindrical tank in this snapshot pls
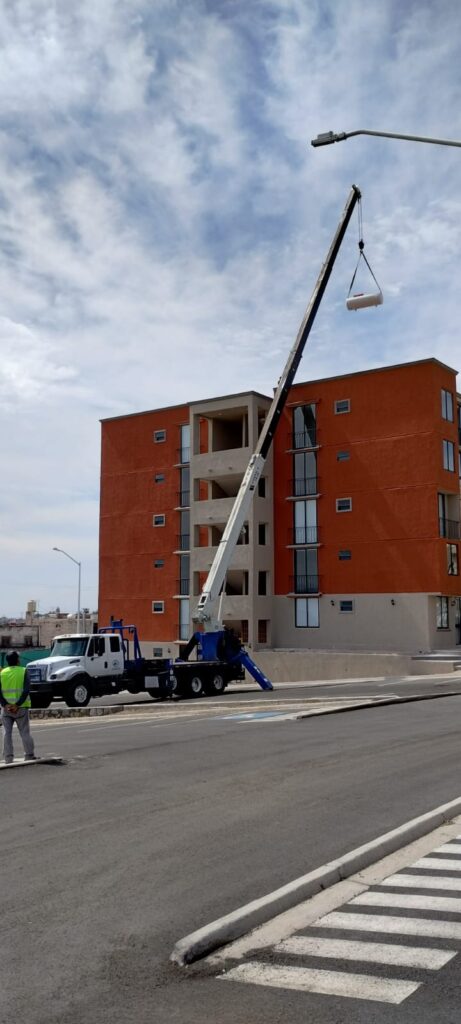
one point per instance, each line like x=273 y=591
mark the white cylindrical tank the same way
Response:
x=361 y=301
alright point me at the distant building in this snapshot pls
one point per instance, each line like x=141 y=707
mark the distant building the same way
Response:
x=38 y=630
x=351 y=543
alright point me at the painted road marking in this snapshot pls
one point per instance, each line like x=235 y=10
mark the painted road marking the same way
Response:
x=330 y=983
x=368 y=952
x=368 y=949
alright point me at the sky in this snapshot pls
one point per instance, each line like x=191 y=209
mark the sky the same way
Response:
x=163 y=219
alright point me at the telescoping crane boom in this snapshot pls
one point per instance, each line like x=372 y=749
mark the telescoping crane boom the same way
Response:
x=214 y=640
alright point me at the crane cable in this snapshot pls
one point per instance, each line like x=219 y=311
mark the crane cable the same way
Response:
x=361 y=250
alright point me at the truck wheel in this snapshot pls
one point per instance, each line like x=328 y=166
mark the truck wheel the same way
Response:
x=196 y=688
x=174 y=686
x=216 y=685
x=78 y=693
x=40 y=700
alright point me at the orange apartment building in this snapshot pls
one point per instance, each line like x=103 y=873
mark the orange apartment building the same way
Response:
x=352 y=542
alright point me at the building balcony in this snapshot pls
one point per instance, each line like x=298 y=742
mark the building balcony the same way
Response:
x=213 y=465
x=450 y=528
x=213 y=512
x=301 y=488
x=305 y=584
x=303 y=439
x=202 y=558
x=301 y=536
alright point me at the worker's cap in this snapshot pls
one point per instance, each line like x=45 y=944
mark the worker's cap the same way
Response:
x=12 y=658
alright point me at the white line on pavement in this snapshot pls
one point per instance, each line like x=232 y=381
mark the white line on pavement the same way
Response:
x=409 y=901
x=369 y=952
x=392 y=925
x=437 y=864
x=303 y=979
x=423 y=881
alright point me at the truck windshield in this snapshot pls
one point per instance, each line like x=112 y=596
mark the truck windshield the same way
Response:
x=69 y=648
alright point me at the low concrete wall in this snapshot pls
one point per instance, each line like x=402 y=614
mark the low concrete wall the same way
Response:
x=295 y=666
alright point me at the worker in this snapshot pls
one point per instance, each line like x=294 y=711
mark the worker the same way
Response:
x=15 y=703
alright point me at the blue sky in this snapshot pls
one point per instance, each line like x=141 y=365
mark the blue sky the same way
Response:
x=163 y=219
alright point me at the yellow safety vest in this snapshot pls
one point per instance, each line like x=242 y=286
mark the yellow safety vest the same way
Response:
x=12 y=684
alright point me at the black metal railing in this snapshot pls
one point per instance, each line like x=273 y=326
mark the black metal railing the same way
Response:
x=302 y=439
x=183 y=586
x=303 y=535
x=183 y=542
x=183 y=499
x=304 y=485
x=450 y=528
x=183 y=456
x=300 y=584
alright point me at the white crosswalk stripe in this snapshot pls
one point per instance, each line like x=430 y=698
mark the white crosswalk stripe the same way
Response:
x=364 y=947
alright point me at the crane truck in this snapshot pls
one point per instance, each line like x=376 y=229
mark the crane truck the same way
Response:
x=81 y=666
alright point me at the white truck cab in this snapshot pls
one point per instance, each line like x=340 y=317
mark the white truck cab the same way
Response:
x=76 y=664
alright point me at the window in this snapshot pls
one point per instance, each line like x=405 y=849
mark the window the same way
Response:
x=158 y=520
x=114 y=644
x=184 y=527
x=96 y=647
x=157 y=652
x=184 y=573
x=306 y=580
x=184 y=441
x=184 y=619
x=262 y=487
x=305 y=522
x=158 y=607
x=447 y=405
x=184 y=486
x=262 y=533
x=262 y=583
x=159 y=436
x=342 y=405
x=304 y=426
x=342 y=456
x=262 y=631
x=307 y=612
x=244 y=631
x=346 y=605
x=448 y=456
x=159 y=478
x=442 y=613
x=343 y=504
x=159 y=563
x=304 y=473
x=344 y=555
x=452 y=559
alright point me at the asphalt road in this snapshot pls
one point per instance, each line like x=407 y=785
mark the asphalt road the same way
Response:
x=156 y=827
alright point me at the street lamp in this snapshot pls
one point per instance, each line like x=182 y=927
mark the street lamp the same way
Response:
x=79 y=581
x=327 y=138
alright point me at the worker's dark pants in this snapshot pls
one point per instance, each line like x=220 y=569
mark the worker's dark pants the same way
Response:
x=22 y=721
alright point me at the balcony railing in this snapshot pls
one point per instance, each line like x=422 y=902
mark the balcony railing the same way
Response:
x=303 y=535
x=183 y=455
x=304 y=584
x=183 y=587
x=183 y=542
x=302 y=439
x=302 y=486
x=183 y=499
x=450 y=528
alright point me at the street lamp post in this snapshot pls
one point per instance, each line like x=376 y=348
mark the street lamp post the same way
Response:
x=327 y=138
x=79 y=581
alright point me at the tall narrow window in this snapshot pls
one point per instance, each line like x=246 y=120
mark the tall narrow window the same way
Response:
x=306 y=580
x=262 y=533
x=262 y=583
x=447 y=405
x=442 y=613
x=184 y=485
x=452 y=559
x=183 y=625
x=184 y=574
x=184 y=528
x=307 y=612
x=304 y=426
x=305 y=522
x=184 y=443
x=304 y=473
x=448 y=456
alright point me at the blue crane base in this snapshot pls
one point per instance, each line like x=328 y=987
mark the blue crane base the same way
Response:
x=224 y=645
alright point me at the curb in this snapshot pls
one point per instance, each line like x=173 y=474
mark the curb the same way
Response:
x=380 y=702
x=232 y=926
x=111 y=709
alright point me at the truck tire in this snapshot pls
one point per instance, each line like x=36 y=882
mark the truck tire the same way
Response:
x=195 y=687
x=40 y=700
x=78 y=692
x=174 y=686
x=216 y=685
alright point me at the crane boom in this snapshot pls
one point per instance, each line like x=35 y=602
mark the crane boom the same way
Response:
x=207 y=613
